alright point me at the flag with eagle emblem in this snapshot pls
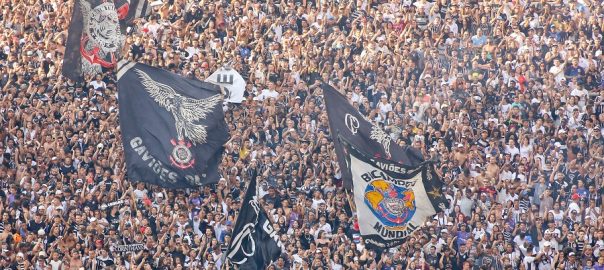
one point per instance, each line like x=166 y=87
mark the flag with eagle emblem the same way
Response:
x=392 y=200
x=173 y=128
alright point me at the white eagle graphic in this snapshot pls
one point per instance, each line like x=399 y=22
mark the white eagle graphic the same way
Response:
x=185 y=110
x=381 y=137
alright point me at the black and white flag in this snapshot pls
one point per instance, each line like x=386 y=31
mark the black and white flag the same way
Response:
x=255 y=244
x=392 y=200
x=347 y=122
x=94 y=39
x=232 y=81
x=173 y=128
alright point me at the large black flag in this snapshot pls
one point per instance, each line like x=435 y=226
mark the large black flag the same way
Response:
x=173 y=128
x=255 y=243
x=94 y=39
x=347 y=122
x=393 y=199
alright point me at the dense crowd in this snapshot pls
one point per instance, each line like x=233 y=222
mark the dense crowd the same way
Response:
x=508 y=96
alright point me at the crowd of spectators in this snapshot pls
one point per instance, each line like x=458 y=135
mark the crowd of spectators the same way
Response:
x=508 y=96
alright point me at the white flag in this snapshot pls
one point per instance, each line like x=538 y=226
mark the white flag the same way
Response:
x=232 y=81
x=392 y=200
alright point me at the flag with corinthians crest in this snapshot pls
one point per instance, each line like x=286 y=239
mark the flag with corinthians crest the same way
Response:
x=392 y=200
x=96 y=35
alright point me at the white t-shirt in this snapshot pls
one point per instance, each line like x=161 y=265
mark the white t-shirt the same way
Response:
x=525 y=151
x=529 y=260
x=56 y=265
x=385 y=108
x=98 y=84
x=554 y=70
x=512 y=151
x=266 y=93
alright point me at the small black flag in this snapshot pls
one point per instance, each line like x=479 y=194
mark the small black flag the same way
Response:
x=173 y=128
x=255 y=243
x=94 y=39
x=347 y=122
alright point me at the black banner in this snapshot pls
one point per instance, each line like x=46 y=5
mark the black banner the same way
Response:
x=94 y=38
x=173 y=128
x=346 y=121
x=255 y=244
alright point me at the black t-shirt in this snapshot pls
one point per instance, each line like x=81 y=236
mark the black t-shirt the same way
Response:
x=432 y=260
x=137 y=50
x=33 y=226
x=92 y=204
x=67 y=169
x=486 y=260
x=572 y=177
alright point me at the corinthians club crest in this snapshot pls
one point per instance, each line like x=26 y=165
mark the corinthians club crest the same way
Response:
x=392 y=205
x=186 y=112
x=102 y=38
x=181 y=155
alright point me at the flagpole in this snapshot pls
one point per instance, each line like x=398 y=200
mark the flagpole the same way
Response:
x=225 y=257
x=353 y=207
